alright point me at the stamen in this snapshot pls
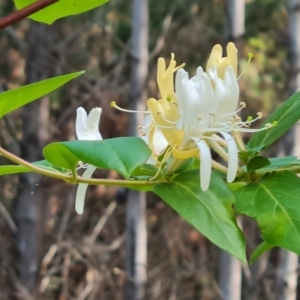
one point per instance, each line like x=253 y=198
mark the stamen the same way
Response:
x=114 y=105
x=250 y=56
x=168 y=121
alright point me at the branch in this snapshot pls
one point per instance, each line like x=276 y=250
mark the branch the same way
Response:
x=25 y=12
x=70 y=179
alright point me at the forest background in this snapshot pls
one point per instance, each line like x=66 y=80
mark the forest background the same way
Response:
x=47 y=251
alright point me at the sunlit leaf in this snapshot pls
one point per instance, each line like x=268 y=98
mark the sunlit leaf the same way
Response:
x=60 y=9
x=286 y=115
x=16 y=98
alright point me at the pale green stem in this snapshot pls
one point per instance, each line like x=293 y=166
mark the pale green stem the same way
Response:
x=239 y=141
x=217 y=166
x=71 y=179
x=216 y=147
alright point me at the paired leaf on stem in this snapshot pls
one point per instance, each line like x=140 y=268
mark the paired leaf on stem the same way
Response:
x=210 y=212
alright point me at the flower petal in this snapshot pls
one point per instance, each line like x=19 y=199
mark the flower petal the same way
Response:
x=92 y=124
x=87 y=127
x=80 y=122
x=81 y=190
x=205 y=164
x=232 y=156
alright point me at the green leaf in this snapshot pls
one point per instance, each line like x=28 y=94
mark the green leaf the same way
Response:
x=144 y=171
x=273 y=202
x=16 y=98
x=60 y=9
x=123 y=154
x=286 y=115
x=210 y=212
x=281 y=163
x=16 y=169
x=261 y=249
x=257 y=162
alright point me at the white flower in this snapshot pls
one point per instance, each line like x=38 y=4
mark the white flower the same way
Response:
x=87 y=128
x=207 y=105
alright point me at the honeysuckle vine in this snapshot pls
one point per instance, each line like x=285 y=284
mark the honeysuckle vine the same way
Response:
x=193 y=117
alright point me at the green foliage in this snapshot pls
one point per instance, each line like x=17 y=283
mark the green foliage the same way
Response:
x=281 y=163
x=261 y=249
x=210 y=212
x=14 y=99
x=286 y=115
x=16 y=169
x=257 y=162
x=122 y=155
x=60 y=9
x=273 y=202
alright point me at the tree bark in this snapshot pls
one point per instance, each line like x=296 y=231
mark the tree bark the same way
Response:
x=230 y=271
x=31 y=198
x=136 y=259
x=287 y=274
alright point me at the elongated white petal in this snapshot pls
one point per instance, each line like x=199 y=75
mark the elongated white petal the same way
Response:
x=205 y=164
x=81 y=190
x=87 y=127
x=80 y=122
x=232 y=156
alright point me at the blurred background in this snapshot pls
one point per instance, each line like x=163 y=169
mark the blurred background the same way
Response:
x=47 y=251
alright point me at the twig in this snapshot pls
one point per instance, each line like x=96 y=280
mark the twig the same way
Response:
x=65 y=275
x=161 y=40
x=110 y=209
x=115 y=182
x=6 y=216
x=67 y=212
x=24 y=12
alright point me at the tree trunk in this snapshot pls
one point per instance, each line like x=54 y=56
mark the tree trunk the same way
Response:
x=30 y=198
x=230 y=271
x=287 y=274
x=136 y=259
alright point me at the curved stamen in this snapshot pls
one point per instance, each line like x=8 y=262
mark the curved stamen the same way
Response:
x=165 y=119
x=114 y=105
x=250 y=56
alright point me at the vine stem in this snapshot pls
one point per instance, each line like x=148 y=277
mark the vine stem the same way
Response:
x=71 y=179
x=24 y=12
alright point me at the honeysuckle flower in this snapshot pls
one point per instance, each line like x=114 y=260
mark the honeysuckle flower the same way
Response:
x=157 y=137
x=87 y=128
x=200 y=115
x=164 y=110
